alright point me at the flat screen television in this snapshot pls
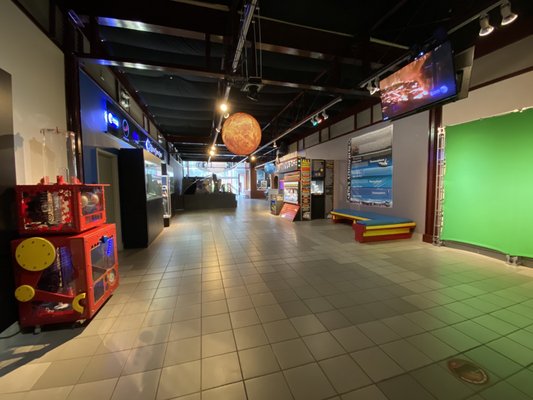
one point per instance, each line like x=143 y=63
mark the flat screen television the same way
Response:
x=428 y=80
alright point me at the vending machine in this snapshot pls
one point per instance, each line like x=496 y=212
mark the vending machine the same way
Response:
x=65 y=265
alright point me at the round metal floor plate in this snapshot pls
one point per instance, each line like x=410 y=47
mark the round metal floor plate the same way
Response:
x=468 y=371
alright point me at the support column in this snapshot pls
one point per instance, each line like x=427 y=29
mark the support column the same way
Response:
x=72 y=94
x=8 y=180
x=435 y=121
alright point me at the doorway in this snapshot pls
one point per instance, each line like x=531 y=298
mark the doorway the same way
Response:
x=107 y=168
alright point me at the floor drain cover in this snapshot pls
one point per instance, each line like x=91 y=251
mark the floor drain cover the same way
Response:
x=468 y=371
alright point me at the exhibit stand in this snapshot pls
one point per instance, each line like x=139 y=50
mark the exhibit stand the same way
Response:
x=141 y=197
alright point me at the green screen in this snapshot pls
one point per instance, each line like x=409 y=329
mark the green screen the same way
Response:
x=488 y=184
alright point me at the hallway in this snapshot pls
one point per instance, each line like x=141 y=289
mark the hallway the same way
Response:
x=240 y=304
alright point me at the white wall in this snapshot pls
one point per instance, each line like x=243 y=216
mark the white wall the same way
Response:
x=409 y=154
x=498 y=98
x=501 y=97
x=37 y=69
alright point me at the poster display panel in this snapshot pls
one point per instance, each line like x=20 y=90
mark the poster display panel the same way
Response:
x=370 y=169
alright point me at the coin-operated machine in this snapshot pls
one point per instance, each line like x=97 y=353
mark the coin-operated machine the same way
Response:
x=67 y=268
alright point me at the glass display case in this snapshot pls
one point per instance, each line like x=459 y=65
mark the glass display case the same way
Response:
x=141 y=197
x=152 y=176
x=317 y=186
x=59 y=208
x=167 y=211
x=291 y=192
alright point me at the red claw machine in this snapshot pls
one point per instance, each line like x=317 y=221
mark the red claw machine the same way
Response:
x=67 y=267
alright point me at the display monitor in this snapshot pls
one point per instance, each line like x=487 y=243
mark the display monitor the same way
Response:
x=427 y=80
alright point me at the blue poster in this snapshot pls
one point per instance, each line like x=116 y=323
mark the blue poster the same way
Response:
x=370 y=169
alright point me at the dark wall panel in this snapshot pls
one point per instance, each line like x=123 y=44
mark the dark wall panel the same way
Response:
x=8 y=310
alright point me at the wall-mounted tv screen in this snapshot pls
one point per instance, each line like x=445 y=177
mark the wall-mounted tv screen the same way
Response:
x=425 y=81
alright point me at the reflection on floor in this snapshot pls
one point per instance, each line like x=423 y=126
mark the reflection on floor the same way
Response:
x=243 y=305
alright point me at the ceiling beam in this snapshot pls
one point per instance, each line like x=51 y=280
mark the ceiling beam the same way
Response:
x=219 y=39
x=192 y=71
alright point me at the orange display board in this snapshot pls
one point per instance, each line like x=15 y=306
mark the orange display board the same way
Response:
x=289 y=211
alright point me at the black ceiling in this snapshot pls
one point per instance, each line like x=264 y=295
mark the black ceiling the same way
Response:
x=313 y=52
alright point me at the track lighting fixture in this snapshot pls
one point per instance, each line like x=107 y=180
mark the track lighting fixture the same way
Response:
x=324 y=115
x=507 y=15
x=223 y=107
x=275 y=145
x=485 y=27
x=372 y=87
x=317 y=119
x=253 y=158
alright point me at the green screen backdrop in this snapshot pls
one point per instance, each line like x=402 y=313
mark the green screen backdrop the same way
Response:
x=488 y=184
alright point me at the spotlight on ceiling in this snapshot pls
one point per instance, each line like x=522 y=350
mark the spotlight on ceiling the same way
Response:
x=226 y=116
x=252 y=87
x=324 y=115
x=507 y=15
x=253 y=94
x=275 y=145
x=252 y=158
x=212 y=152
x=314 y=122
x=486 y=27
x=223 y=107
x=372 y=87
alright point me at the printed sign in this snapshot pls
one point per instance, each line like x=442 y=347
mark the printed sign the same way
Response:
x=370 y=168
x=306 y=188
x=289 y=211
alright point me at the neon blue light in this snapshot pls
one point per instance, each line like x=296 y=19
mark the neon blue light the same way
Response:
x=125 y=128
x=109 y=249
x=112 y=120
x=444 y=89
x=135 y=136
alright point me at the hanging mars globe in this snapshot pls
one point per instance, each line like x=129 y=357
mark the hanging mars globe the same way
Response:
x=241 y=134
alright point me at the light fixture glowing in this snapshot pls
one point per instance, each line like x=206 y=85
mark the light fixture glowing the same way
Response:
x=253 y=158
x=324 y=115
x=507 y=15
x=112 y=120
x=212 y=152
x=226 y=116
x=485 y=27
x=314 y=122
x=214 y=148
x=275 y=145
x=224 y=107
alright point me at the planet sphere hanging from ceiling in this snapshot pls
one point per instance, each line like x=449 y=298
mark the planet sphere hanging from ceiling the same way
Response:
x=241 y=134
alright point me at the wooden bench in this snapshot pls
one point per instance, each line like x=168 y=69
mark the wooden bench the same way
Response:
x=374 y=227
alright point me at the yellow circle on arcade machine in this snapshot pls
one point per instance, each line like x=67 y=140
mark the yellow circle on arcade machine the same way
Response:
x=35 y=254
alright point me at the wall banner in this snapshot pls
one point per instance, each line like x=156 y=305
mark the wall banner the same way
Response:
x=370 y=168
x=306 y=189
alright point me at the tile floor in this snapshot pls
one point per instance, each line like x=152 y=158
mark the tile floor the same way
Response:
x=243 y=305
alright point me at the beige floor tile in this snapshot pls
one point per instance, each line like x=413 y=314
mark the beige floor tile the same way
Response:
x=234 y=391
x=258 y=361
x=179 y=380
x=145 y=359
x=104 y=366
x=184 y=350
x=141 y=386
x=268 y=387
x=101 y=390
x=218 y=343
x=62 y=373
x=220 y=370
